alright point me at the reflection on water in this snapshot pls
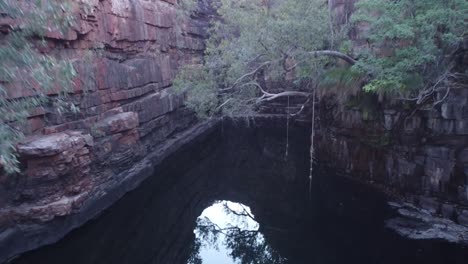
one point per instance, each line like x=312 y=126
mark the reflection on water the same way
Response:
x=227 y=232
x=344 y=222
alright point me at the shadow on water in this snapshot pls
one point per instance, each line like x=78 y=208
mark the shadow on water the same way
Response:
x=342 y=223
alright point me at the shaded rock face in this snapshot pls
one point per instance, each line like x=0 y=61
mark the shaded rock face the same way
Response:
x=30 y=225
x=126 y=53
x=420 y=156
x=77 y=165
x=342 y=10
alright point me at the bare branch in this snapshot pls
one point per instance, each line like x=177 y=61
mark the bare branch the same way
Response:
x=255 y=84
x=443 y=99
x=269 y=96
x=223 y=104
x=245 y=76
x=336 y=54
x=306 y=102
x=302 y=108
x=447 y=79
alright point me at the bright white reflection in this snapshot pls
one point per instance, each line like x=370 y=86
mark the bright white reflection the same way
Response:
x=219 y=215
x=225 y=214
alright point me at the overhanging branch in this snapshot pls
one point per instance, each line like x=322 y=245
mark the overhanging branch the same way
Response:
x=245 y=75
x=269 y=96
x=336 y=54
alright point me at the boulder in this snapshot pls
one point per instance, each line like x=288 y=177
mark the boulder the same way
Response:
x=118 y=123
x=43 y=146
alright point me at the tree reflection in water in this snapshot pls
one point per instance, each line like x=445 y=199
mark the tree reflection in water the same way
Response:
x=232 y=226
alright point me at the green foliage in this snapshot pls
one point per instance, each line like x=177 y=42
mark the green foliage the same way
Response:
x=409 y=41
x=342 y=77
x=261 y=44
x=25 y=70
x=203 y=97
x=263 y=38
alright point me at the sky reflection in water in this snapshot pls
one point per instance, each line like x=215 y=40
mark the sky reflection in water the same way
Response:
x=223 y=215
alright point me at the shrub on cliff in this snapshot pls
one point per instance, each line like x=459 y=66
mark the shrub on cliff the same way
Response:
x=28 y=76
x=261 y=50
x=411 y=44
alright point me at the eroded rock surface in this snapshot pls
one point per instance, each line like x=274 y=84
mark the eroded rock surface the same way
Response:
x=415 y=223
x=126 y=53
x=419 y=157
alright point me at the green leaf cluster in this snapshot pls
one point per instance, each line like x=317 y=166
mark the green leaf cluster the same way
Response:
x=409 y=47
x=25 y=70
x=248 y=34
x=409 y=41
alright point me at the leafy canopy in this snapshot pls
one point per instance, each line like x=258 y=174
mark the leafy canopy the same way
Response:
x=410 y=41
x=251 y=39
x=260 y=48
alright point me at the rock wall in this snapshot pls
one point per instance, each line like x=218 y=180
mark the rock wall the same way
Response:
x=234 y=162
x=126 y=54
x=420 y=155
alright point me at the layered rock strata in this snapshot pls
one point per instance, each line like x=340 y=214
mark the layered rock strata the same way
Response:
x=126 y=53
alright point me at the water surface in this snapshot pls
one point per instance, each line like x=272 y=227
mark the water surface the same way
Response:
x=340 y=221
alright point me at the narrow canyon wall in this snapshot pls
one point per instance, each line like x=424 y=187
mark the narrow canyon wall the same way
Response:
x=126 y=53
x=420 y=155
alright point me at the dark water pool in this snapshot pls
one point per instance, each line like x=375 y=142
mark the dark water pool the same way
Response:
x=341 y=222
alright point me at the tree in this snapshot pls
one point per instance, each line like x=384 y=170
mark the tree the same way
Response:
x=259 y=51
x=262 y=50
x=411 y=46
x=24 y=68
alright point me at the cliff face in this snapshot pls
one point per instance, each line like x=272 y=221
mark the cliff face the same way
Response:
x=126 y=53
x=419 y=154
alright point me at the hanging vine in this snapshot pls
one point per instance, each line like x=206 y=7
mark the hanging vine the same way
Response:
x=312 y=145
x=287 y=132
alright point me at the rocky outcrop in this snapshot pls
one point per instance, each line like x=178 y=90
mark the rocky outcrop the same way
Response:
x=418 y=155
x=126 y=53
x=417 y=223
x=55 y=164
x=31 y=225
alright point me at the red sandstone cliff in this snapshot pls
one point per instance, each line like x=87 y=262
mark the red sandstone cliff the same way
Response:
x=127 y=53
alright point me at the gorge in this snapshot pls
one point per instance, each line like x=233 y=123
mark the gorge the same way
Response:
x=124 y=180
